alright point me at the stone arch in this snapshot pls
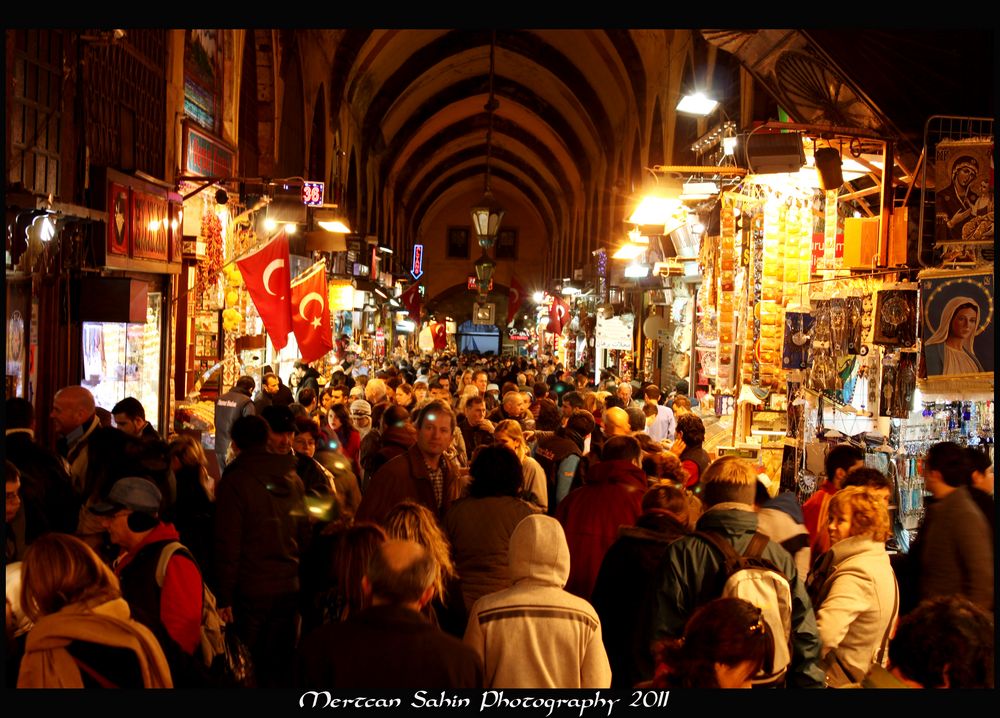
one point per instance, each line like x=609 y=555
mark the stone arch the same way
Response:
x=291 y=142
x=352 y=199
x=248 y=132
x=656 y=153
x=260 y=47
x=317 y=139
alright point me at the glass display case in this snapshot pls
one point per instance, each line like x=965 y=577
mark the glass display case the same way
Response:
x=121 y=360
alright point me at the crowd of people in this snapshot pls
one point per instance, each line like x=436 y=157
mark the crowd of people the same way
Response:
x=474 y=522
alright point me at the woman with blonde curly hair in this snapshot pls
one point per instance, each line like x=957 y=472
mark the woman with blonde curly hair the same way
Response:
x=84 y=636
x=411 y=521
x=858 y=601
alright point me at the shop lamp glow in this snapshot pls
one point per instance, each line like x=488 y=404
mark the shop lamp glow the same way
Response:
x=637 y=271
x=699 y=190
x=697 y=104
x=331 y=223
x=628 y=251
x=539 y=297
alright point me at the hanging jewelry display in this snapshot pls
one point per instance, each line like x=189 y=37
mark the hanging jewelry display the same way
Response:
x=839 y=326
x=906 y=384
x=795 y=350
x=873 y=374
x=896 y=317
x=854 y=305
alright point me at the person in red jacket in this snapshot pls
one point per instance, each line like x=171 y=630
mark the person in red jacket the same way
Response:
x=172 y=611
x=610 y=497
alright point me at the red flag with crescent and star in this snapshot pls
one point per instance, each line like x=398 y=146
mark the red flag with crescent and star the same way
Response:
x=266 y=275
x=310 y=313
x=515 y=299
x=411 y=301
x=558 y=315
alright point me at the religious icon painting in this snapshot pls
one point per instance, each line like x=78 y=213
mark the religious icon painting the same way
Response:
x=964 y=200
x=956 y=327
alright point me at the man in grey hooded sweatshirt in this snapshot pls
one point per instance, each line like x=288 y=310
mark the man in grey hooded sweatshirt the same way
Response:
x=535 y=634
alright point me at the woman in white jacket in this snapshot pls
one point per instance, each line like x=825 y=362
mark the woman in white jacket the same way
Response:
x=859 y=600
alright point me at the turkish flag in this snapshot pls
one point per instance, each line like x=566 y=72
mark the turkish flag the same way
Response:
x=266 y=275
x=411 y=302
x=558 y=315
x=310 y=313
x=440 y=333
x=515 y=299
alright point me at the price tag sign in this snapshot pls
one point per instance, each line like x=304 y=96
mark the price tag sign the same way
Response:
x=312 y=193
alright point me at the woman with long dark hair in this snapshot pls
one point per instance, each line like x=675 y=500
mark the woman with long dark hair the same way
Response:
x=348 y=436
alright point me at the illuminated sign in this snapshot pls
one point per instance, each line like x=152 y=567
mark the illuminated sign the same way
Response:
x=206 y=156
x=520 y=337
x=312 y=193
x=471 y=283
x=418 y=261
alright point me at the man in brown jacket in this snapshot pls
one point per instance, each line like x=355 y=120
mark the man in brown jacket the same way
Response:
x=423 y=473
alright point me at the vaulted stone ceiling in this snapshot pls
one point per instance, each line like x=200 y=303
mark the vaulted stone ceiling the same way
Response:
x=572 y=104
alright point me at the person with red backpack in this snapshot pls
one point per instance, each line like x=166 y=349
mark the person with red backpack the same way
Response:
x=726 y=556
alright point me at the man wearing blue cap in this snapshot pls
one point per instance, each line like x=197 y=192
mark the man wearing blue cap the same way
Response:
x=170 y=604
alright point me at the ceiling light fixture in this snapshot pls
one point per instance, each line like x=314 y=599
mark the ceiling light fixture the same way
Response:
x=487 y=214
x=697 y=104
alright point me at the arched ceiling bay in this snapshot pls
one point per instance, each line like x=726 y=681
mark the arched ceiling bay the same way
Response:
x=567 y=98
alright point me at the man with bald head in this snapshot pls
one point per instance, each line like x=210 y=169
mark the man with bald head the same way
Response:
x=616 y=422
x=74 y=417
x=389 y=643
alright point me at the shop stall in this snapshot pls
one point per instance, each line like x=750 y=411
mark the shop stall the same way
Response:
x=813 y=329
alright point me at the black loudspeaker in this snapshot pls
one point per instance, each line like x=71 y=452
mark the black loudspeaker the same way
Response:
x=772 y=153
x=828 y=166
x=139 y=521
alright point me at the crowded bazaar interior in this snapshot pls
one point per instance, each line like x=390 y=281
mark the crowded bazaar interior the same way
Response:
x=474 y=359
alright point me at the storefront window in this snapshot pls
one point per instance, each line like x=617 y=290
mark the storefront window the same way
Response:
x=121 y=360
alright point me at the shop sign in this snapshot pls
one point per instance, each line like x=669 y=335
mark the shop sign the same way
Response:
x=150 y=227
x=144 y=222
x=380 y=336
x=374 y=264
x=472 y=284
x=417 y=268
x=206 y=156
x=360 y=270
x=312 y=193
x=520 y=337
x=613 y=333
